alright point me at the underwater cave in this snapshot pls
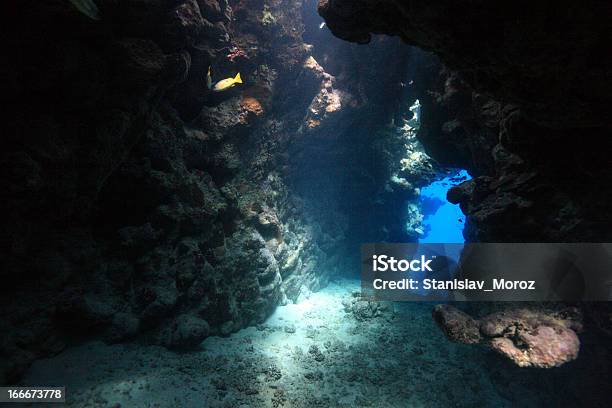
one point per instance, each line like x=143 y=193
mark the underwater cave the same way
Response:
x=196 y=194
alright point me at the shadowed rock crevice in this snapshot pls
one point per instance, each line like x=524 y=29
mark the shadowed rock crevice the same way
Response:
x=519 y=100
x=521 y=105
x=541 y=56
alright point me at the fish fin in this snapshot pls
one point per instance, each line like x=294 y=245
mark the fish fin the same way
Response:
x=87 y=7
x=209 y=78
x=237 y=78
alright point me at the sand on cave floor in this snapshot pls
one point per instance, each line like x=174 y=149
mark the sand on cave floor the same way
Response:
x=312 y=354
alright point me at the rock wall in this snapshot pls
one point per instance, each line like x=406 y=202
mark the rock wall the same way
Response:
x=519 y=102
x=358 y=142
x=139 y=205
x=542 y=56
x=521 y=106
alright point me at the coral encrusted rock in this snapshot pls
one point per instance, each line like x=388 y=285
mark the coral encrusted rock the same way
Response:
x=529 y=338
x=327 y=101
x=544 y=347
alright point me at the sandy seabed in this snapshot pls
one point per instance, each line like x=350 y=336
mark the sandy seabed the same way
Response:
x=318 y=353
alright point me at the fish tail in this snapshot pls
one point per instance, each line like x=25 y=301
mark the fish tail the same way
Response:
x=237 y=78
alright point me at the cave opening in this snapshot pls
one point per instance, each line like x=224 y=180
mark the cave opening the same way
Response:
x=443 y=221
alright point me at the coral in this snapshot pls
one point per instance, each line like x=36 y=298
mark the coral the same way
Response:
x=184 y=23
x=328 y=102
x=235 y=53
x=170 y=209
x=266 y=17
x=545 y=347
x=316 y=353
x=251 y=106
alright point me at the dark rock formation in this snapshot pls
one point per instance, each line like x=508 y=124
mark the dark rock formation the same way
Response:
x=521 y=104
x=138 y=205
x=457 y=325
x=363 y=309
x=460 y=127
x=526 y=80
x=187 y=332
x=544 y=57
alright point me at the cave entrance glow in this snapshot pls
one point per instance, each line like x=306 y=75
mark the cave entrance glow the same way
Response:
x=443 y=222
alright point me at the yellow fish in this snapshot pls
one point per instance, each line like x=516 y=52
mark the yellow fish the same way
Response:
x=227 y=83
x=87 y=7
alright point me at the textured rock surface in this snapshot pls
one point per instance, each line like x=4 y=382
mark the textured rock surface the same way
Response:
x=187 y=332
x=363 y=309
x=528 y=337
x=134 y=195
x=140 y=206
x=519 y=104
x=545 y=347
x=538 y=55
x=524 y=82
x=457 y=325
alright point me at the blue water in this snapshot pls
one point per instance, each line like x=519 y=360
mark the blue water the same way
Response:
x=443 y=222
